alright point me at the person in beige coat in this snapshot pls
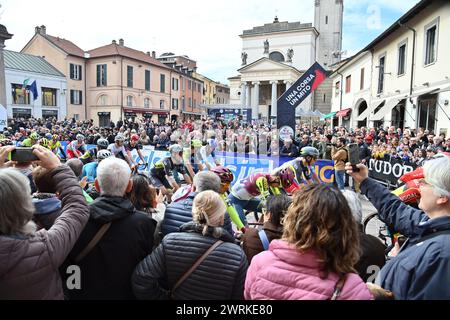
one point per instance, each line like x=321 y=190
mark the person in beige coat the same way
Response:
x=339 y=155
x=29 y=259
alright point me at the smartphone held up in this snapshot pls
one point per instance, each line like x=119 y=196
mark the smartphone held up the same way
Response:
x=353 y=156
x=23 y=154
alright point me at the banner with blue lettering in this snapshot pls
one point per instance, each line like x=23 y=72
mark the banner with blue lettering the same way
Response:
x=295 y=95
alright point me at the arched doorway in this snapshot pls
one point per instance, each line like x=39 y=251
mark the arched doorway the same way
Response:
x=361 y=107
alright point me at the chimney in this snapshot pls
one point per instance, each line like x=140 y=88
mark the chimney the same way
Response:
x=154 y=54
x=148 y=53
x=43 y=30
x=37 y=30
x=114 y=42
x=121 y=42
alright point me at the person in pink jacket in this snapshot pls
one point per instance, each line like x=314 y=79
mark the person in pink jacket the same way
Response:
x=319 y=247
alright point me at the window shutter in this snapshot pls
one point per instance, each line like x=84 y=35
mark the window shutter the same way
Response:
x=71 y=96
x=106 y=77
x=81 y=97
x=71 y=71
x=98 y=75
x=80 y=76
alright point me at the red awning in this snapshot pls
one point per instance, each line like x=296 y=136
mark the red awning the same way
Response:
x=145 y=111
x=343 y=112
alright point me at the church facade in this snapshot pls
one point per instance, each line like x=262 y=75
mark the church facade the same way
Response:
x=276 y=54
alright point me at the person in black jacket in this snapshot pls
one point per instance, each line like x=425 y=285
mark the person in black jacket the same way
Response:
x=364 y=151
x=289 y=149
x=220 y=276
x=106 y=269
x=372 y=256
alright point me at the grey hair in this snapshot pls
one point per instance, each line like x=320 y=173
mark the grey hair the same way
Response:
x=437 y=173
x=16 y=209
x=206 y=180
x=113 y=175
x=354 y=203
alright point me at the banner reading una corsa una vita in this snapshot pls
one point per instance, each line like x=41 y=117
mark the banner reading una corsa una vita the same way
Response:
x=298 y=92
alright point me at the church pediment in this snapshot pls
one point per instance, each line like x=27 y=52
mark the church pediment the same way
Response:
x=264 y=65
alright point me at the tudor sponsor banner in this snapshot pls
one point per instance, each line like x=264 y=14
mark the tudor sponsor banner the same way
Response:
x=389 y=171
x=298 y=92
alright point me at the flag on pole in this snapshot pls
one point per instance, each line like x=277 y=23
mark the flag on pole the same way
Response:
x=24 y=85
x=33 y=88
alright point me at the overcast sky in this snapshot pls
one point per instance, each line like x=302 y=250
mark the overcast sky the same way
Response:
x=205 y=30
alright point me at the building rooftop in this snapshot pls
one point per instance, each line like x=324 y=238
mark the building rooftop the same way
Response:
x=26 y=62
x=66 y=45
x=277 y=26
x=116 y=49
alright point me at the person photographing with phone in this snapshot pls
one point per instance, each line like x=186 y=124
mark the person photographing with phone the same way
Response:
x=421 y=268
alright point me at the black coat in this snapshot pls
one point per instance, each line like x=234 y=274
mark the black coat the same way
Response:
x=220 y=276
x=106 y=271
x=372 y=254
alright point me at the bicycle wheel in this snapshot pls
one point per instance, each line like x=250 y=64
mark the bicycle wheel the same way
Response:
x=372 y=225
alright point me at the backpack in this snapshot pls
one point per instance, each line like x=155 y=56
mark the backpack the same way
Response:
x=263 y=237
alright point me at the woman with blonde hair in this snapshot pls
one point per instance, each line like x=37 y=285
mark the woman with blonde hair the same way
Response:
x=197 y=254
x=315 y=258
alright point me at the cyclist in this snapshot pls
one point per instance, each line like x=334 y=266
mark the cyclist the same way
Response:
x=226 y=177
x=76 y=148
x=31 y=140
x=303 y=166
x=192 y=157
x=44 y=142
x=90 y=169
x=161 y=175
x=132 y=145
x=90 y=155
x=244 y=194
x=118 y=149
x=54 y=145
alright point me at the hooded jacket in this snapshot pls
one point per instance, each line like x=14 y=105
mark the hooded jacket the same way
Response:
x=29 y=264
x=106 y=270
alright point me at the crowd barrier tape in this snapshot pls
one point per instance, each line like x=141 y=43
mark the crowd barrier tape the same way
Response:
x=242 y=165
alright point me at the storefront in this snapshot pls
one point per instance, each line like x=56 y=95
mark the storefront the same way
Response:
x=21 y=113
x=345 y=115
x=49 y=114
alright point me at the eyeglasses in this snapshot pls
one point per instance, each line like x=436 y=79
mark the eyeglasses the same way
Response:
x=422 y=183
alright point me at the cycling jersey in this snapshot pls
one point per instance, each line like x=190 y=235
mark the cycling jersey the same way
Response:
x=165 y=167
x=251 y=187
x=27 y=143
x=302 y=172
x=116 y=151
x=130 y=148
x=74 y=149
x=54 y=146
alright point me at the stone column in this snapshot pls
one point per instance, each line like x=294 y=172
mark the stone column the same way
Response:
x=247 y=95
x=4 y=35
x=287 y=83
x=255 y=102
x=243 y=93
x=274 y=98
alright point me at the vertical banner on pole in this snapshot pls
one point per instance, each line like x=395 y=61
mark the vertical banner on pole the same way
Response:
x=298 y=92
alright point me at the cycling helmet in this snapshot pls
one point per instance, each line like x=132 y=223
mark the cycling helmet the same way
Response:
x=225 y=174
x=44 y=142
x=287 y=177
x=55 y=137
x=134 y=137
x=80 y=137
x=102 y=143
x=2 y=137
x=196 y=143
x=34 y=136
x=175 y=148
x=119 y=137
x=310 y=151
x=103 y=154
x=6 y=142
x=48 y=136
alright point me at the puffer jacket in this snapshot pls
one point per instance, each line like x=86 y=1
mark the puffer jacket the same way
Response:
x=47 y=207
x=29 y=265
x=283 y=273
x=422 y=267
x=220 y=276
x=180 y=212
